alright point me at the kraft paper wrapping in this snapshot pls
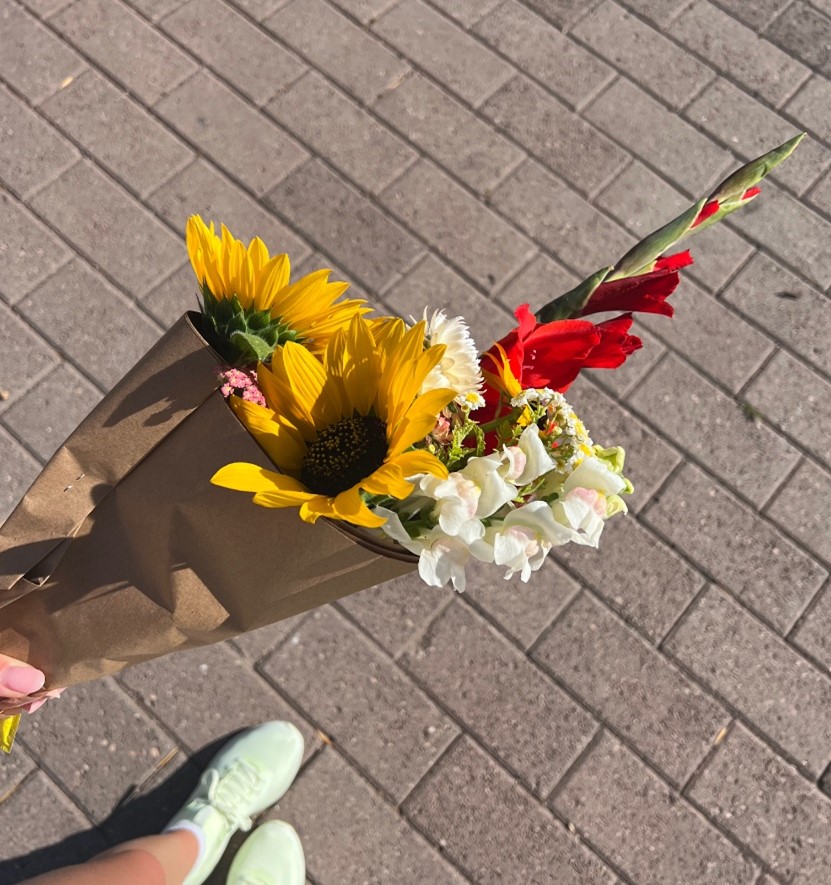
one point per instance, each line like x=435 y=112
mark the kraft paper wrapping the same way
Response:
x=123 y=551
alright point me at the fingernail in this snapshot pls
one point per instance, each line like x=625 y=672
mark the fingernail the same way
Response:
x=23 y=680
x=35 y=705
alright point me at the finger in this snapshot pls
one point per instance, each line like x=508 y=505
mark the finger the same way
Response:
x=18 y=679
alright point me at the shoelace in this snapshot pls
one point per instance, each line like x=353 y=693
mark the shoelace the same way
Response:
x=225 y=793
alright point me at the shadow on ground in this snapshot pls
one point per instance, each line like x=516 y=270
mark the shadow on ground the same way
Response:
x=144 y=810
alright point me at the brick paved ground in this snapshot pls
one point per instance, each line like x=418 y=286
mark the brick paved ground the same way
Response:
x=658 y=713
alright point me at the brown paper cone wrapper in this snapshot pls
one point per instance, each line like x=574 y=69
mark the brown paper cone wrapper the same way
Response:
x=123 y=551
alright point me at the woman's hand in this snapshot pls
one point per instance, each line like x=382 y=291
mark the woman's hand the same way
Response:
x=20 y=687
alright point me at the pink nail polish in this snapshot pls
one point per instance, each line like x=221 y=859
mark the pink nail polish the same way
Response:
x=35 y=705
x=23 y=680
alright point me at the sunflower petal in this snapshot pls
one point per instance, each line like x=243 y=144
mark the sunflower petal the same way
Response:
x=419 y=461
x=388 y=480
x=283 y=444
x=360 y=367
x=252 y=478
x=418 y=420
x=349 y=506
x=280 y=498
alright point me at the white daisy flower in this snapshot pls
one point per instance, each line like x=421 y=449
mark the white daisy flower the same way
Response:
x=459 y=367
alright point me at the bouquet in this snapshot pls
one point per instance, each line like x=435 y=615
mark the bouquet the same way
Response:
x=373 y=446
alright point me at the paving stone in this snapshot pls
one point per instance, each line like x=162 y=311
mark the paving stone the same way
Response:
x=811 y=107
x=643 y=53
x=63 y=829
x=523 y=610
x=649 y=459
x=786 y=307
x=31 y=151
x=214 y=32
x=35 y=61
x=365 y=11
x=544 y=53
x=466 y=12
x=345 y=223
x=741 y=551
x=767 y=805
x=223 y=695
x=739 y=53
x=115 y=37
x=620 y=381
x=560 y=139
x=540 y=281
x=231 y=132
x=493 y=829
x=391 y=729
x=173 y=297
x=155 y=9
x=752 y=668
x=258 y=643
x=804 y=416
x=637 y=575
x=457 y=225
x=29 y=251
x=804 y=32
x=105 y=223
x=791 y=231
x=819 y=196
x=396 y=611
x=451 y=134
x=201 y=190
x=796 y=508
x=390 y=851
x=814 y=633
x=718 y=434
x=560 y=219
x=719 y=252
x=751 y=129
x=17 y=473
x=432 y=285
x=562 y=13
x=350 y=56
x=661 y=12
x=341 y=132
x=258 y=9
x=700 y=320
x=24 y=357
x=433 y=42
x=632 y=687
x=758 y=14
x=14 y=769
x=123 y=137
x=105 y=755
x=48 y=413
x=664 y=140
x=623 y=809
x=45 y=8
x=60 y=308
x=500 y=696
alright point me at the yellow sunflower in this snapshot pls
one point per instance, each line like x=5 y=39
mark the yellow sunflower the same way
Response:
x=266 y=306
x=344 y=426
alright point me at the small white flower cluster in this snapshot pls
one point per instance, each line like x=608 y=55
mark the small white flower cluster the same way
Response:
x=508 y=508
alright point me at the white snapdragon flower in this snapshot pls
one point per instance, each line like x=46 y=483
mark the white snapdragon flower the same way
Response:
x=494 y=490
x=441 y=557
x=595 y=473
x=456 y=504
x=527 y=460
x=459 y=367
x=523 y=539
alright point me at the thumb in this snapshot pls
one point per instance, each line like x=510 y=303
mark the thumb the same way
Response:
x=18 y=679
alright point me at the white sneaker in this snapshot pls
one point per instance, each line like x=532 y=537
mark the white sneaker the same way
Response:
x=248 y=775
x=271 y=855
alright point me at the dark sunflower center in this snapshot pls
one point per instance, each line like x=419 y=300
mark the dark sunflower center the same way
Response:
x=343 y=454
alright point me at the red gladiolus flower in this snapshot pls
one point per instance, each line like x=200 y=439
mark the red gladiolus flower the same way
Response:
x=552 y=354
x=646 y=293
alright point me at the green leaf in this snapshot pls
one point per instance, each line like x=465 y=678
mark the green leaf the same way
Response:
x=639 y=258
x=571 y=303
x=753 y=172
x=252 y=346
